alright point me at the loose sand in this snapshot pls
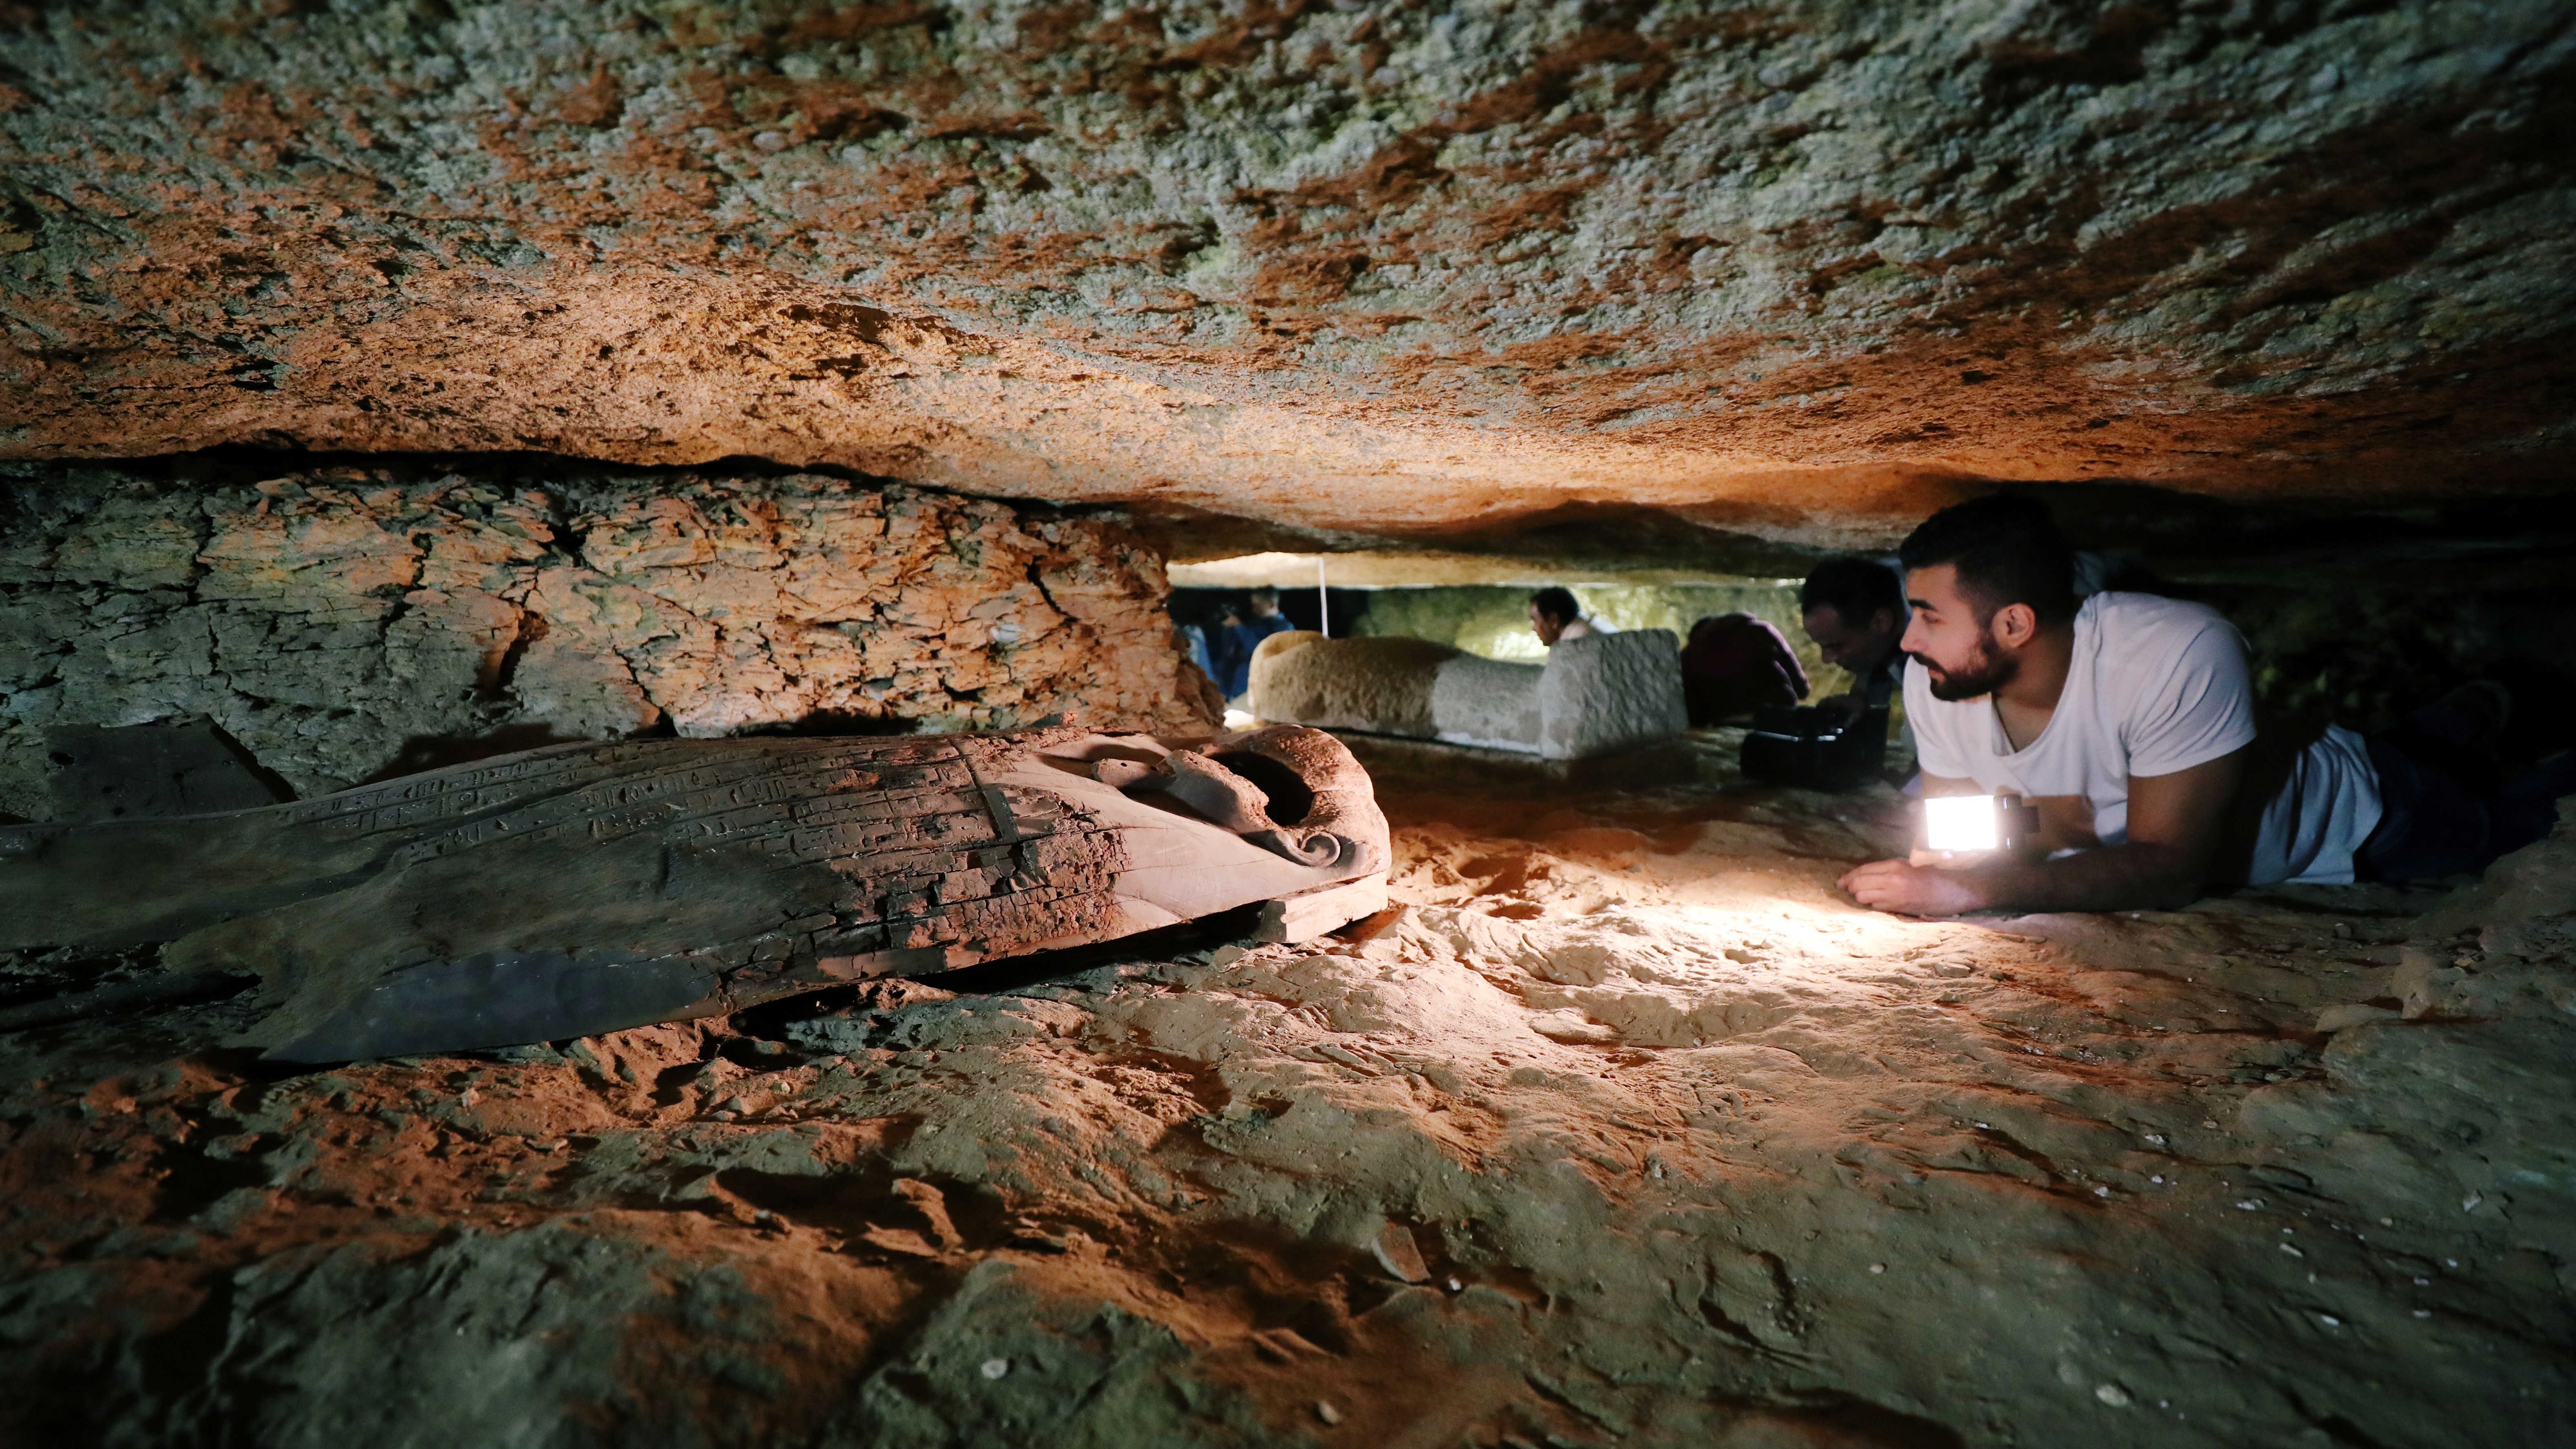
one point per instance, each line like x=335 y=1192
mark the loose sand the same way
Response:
x=1625 y=1128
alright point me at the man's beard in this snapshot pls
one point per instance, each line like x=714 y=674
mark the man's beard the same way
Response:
x=1990 y=671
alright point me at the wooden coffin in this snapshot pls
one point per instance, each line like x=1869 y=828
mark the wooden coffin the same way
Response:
x=590 y=887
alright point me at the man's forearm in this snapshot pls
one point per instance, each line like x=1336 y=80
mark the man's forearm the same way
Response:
x=2136 y=876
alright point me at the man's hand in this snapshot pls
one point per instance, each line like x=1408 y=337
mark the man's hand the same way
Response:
x=1907 y=889
x=2174 y=823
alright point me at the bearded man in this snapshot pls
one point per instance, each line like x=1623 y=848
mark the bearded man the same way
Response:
x=2129 y=723
x=1854 y=610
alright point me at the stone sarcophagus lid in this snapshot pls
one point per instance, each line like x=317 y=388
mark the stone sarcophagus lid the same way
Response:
x=591 y=887
x=1595 y=696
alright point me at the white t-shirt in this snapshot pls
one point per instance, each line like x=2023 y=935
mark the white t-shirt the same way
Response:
x=2156 y=685
x=1584 y=628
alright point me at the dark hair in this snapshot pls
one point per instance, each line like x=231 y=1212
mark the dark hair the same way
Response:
x=2006 y=549
x=1555 y=603
x=1854 y=588
x=1264 y=595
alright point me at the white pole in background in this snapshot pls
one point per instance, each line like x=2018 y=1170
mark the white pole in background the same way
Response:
x=1323 y=605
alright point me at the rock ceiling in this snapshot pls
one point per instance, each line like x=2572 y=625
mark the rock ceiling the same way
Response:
x=1795 y=271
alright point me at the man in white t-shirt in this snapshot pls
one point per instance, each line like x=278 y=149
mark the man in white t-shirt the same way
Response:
x=2129 y=723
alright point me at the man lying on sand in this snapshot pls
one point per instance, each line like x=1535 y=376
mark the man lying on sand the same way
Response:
x=2129 y=723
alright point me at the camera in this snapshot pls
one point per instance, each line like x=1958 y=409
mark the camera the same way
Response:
x=1814 y=748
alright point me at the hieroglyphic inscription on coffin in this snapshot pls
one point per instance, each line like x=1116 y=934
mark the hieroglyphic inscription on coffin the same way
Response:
x=921 y=854
x=586 y=887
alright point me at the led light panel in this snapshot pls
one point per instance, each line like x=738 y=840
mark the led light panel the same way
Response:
x=1960 y=822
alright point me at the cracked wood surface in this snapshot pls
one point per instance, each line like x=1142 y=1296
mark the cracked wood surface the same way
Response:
x=587 y=888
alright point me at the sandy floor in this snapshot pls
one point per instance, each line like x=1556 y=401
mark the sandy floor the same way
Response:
x=1626 y=1129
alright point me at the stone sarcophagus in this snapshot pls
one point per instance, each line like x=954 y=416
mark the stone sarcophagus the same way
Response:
x=1594 y=696
x=590 y=887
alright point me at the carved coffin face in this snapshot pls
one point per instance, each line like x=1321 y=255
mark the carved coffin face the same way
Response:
x=1294 y=792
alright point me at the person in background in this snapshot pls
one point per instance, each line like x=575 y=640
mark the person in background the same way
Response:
x=1735 y=664
x=1854 y=610
x=1222 y=657
x=1241 y=633
x=1193 y=643
x=1554 y=616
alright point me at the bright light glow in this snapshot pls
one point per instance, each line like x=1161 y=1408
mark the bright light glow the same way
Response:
x=1960 y=822
x=1236 y=719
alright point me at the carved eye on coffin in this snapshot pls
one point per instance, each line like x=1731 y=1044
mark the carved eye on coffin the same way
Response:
x=1276 y=787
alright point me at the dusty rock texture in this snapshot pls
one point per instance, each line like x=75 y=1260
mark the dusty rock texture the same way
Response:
x=1625 y=1130
x=344 y=623
x=1795 y=269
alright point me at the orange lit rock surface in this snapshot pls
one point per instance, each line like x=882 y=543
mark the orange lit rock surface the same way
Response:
x=1795 y=271
x=1629 y=1130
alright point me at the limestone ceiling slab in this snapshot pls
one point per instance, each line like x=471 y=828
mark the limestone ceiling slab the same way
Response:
x=1799 y=271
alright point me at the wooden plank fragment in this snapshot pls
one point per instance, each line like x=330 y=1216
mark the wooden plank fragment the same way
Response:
x=1309 y=914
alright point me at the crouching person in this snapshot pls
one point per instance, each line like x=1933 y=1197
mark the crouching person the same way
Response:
x=2129 y=724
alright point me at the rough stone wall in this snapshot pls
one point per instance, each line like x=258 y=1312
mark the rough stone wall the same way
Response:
x=329 y=619
x=1798 y=268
